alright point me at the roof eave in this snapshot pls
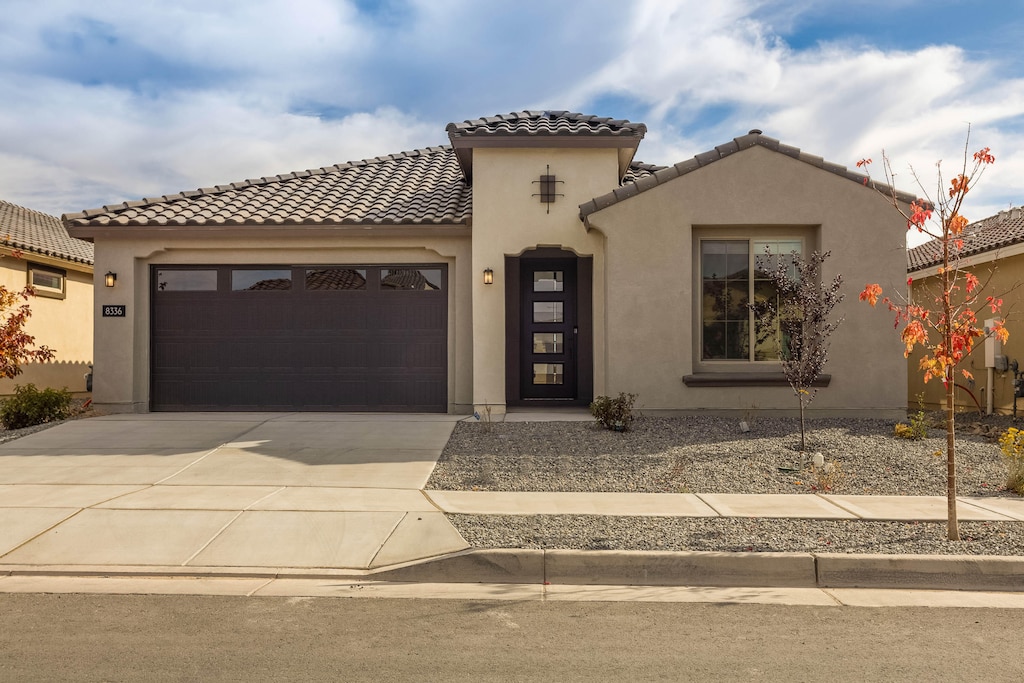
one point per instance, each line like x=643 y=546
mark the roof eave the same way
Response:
x=396 y=229
x=464 y=145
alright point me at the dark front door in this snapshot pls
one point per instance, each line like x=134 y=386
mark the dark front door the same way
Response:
x=548 y=329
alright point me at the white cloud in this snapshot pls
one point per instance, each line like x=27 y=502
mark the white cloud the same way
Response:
x=113 y=146
x=202 y=93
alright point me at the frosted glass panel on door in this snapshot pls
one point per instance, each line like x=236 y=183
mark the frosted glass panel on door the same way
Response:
x=547 y=281
x=548 y=312
x=548 y=342
x=548 y=373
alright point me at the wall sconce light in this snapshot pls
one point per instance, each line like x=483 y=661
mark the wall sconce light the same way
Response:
x=110 y=278
x=488 y=276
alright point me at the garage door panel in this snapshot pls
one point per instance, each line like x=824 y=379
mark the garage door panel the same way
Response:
x=362 y=348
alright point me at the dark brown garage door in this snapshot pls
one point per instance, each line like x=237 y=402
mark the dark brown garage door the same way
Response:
x=344 y=338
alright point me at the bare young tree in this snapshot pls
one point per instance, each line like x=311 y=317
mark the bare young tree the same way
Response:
x=799 y=319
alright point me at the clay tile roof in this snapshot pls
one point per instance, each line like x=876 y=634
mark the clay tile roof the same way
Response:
x=639 y=169
x=989 y=234
x=39 y=233
x=537 y=128
x=545 y=123
x=418 y=187
x=642 y=183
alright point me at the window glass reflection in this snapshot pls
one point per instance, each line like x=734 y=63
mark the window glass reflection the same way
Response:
x=322 y=279
x=186 y=280
x=548 y=342
x=410 y=279
x=269 y=280
x=548 y=312
x=547 y=281
x=548 y=373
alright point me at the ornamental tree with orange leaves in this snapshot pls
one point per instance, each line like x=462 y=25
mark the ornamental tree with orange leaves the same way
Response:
x=947 y=329
x=16 y=345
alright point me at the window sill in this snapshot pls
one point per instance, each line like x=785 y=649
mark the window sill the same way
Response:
x=745 y=379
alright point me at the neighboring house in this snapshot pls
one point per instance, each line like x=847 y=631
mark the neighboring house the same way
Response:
x=993 y=250
x=531 y=262
x=36 y=250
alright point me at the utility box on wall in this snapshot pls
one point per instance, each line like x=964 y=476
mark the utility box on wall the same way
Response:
x=994 y=357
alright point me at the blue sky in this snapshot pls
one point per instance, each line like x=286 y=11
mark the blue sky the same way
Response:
x=113 y=100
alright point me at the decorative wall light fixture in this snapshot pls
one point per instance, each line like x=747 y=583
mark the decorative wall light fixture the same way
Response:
x=547 y=192
x=110 y=278
x=488 y=276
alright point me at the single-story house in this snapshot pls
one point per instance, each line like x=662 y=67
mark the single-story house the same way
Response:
x=532 y=261
x=993 y=250
x=36 y=250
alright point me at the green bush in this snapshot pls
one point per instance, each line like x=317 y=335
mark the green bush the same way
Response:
x=614 y=413
x=30 y=406
x=918 y=427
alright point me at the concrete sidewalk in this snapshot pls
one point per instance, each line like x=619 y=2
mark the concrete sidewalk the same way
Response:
x=329 y=495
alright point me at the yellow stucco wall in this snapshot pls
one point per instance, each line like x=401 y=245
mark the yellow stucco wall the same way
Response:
x=122 y=344
x=1004 y=278
x=652 y=273
x=64 y=325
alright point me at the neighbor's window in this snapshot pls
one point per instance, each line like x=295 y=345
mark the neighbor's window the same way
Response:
x=46 y=281
x=733 y=274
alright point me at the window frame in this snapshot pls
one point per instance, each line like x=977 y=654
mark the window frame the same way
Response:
x=43 y=291
x=805 y=235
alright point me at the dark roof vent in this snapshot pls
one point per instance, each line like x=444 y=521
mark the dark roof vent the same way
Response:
x=754 y=131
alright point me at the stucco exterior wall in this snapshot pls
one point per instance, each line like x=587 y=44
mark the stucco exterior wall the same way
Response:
x=64 y=325
x=508 y=220
x=652 y=272
x=122 y=374
x=1003 y=278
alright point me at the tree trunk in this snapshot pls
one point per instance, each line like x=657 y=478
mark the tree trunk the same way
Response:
x=952 y=527
x=803 y=445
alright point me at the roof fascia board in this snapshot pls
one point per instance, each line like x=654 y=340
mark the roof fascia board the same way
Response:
x=464 y=146
x=92 y=233
x=44 y=260
x=553 y=141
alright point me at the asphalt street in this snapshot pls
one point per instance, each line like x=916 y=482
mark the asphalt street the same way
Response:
x=75 y=637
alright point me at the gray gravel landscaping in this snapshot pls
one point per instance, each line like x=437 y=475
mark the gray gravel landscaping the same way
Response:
x=706 y=454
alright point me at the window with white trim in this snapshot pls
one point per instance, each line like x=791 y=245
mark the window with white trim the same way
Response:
x=734 y=274
x=46 y=281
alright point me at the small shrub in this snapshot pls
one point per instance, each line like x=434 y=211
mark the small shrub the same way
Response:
x=917 y=430
x=30 y=406
x=614 y=413
x=1011 y=443
x=826 y=478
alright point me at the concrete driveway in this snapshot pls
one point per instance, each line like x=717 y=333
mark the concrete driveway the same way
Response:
x=238 y=490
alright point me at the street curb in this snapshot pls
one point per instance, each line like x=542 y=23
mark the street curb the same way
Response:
x=932 y=572
x=629 y=568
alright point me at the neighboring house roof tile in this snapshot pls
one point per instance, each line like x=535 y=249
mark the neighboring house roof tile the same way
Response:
x=423 y=186
x=35 y=232
x=751 y=139
x=545 y=123
x=1004 y=229
x=638 y=170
